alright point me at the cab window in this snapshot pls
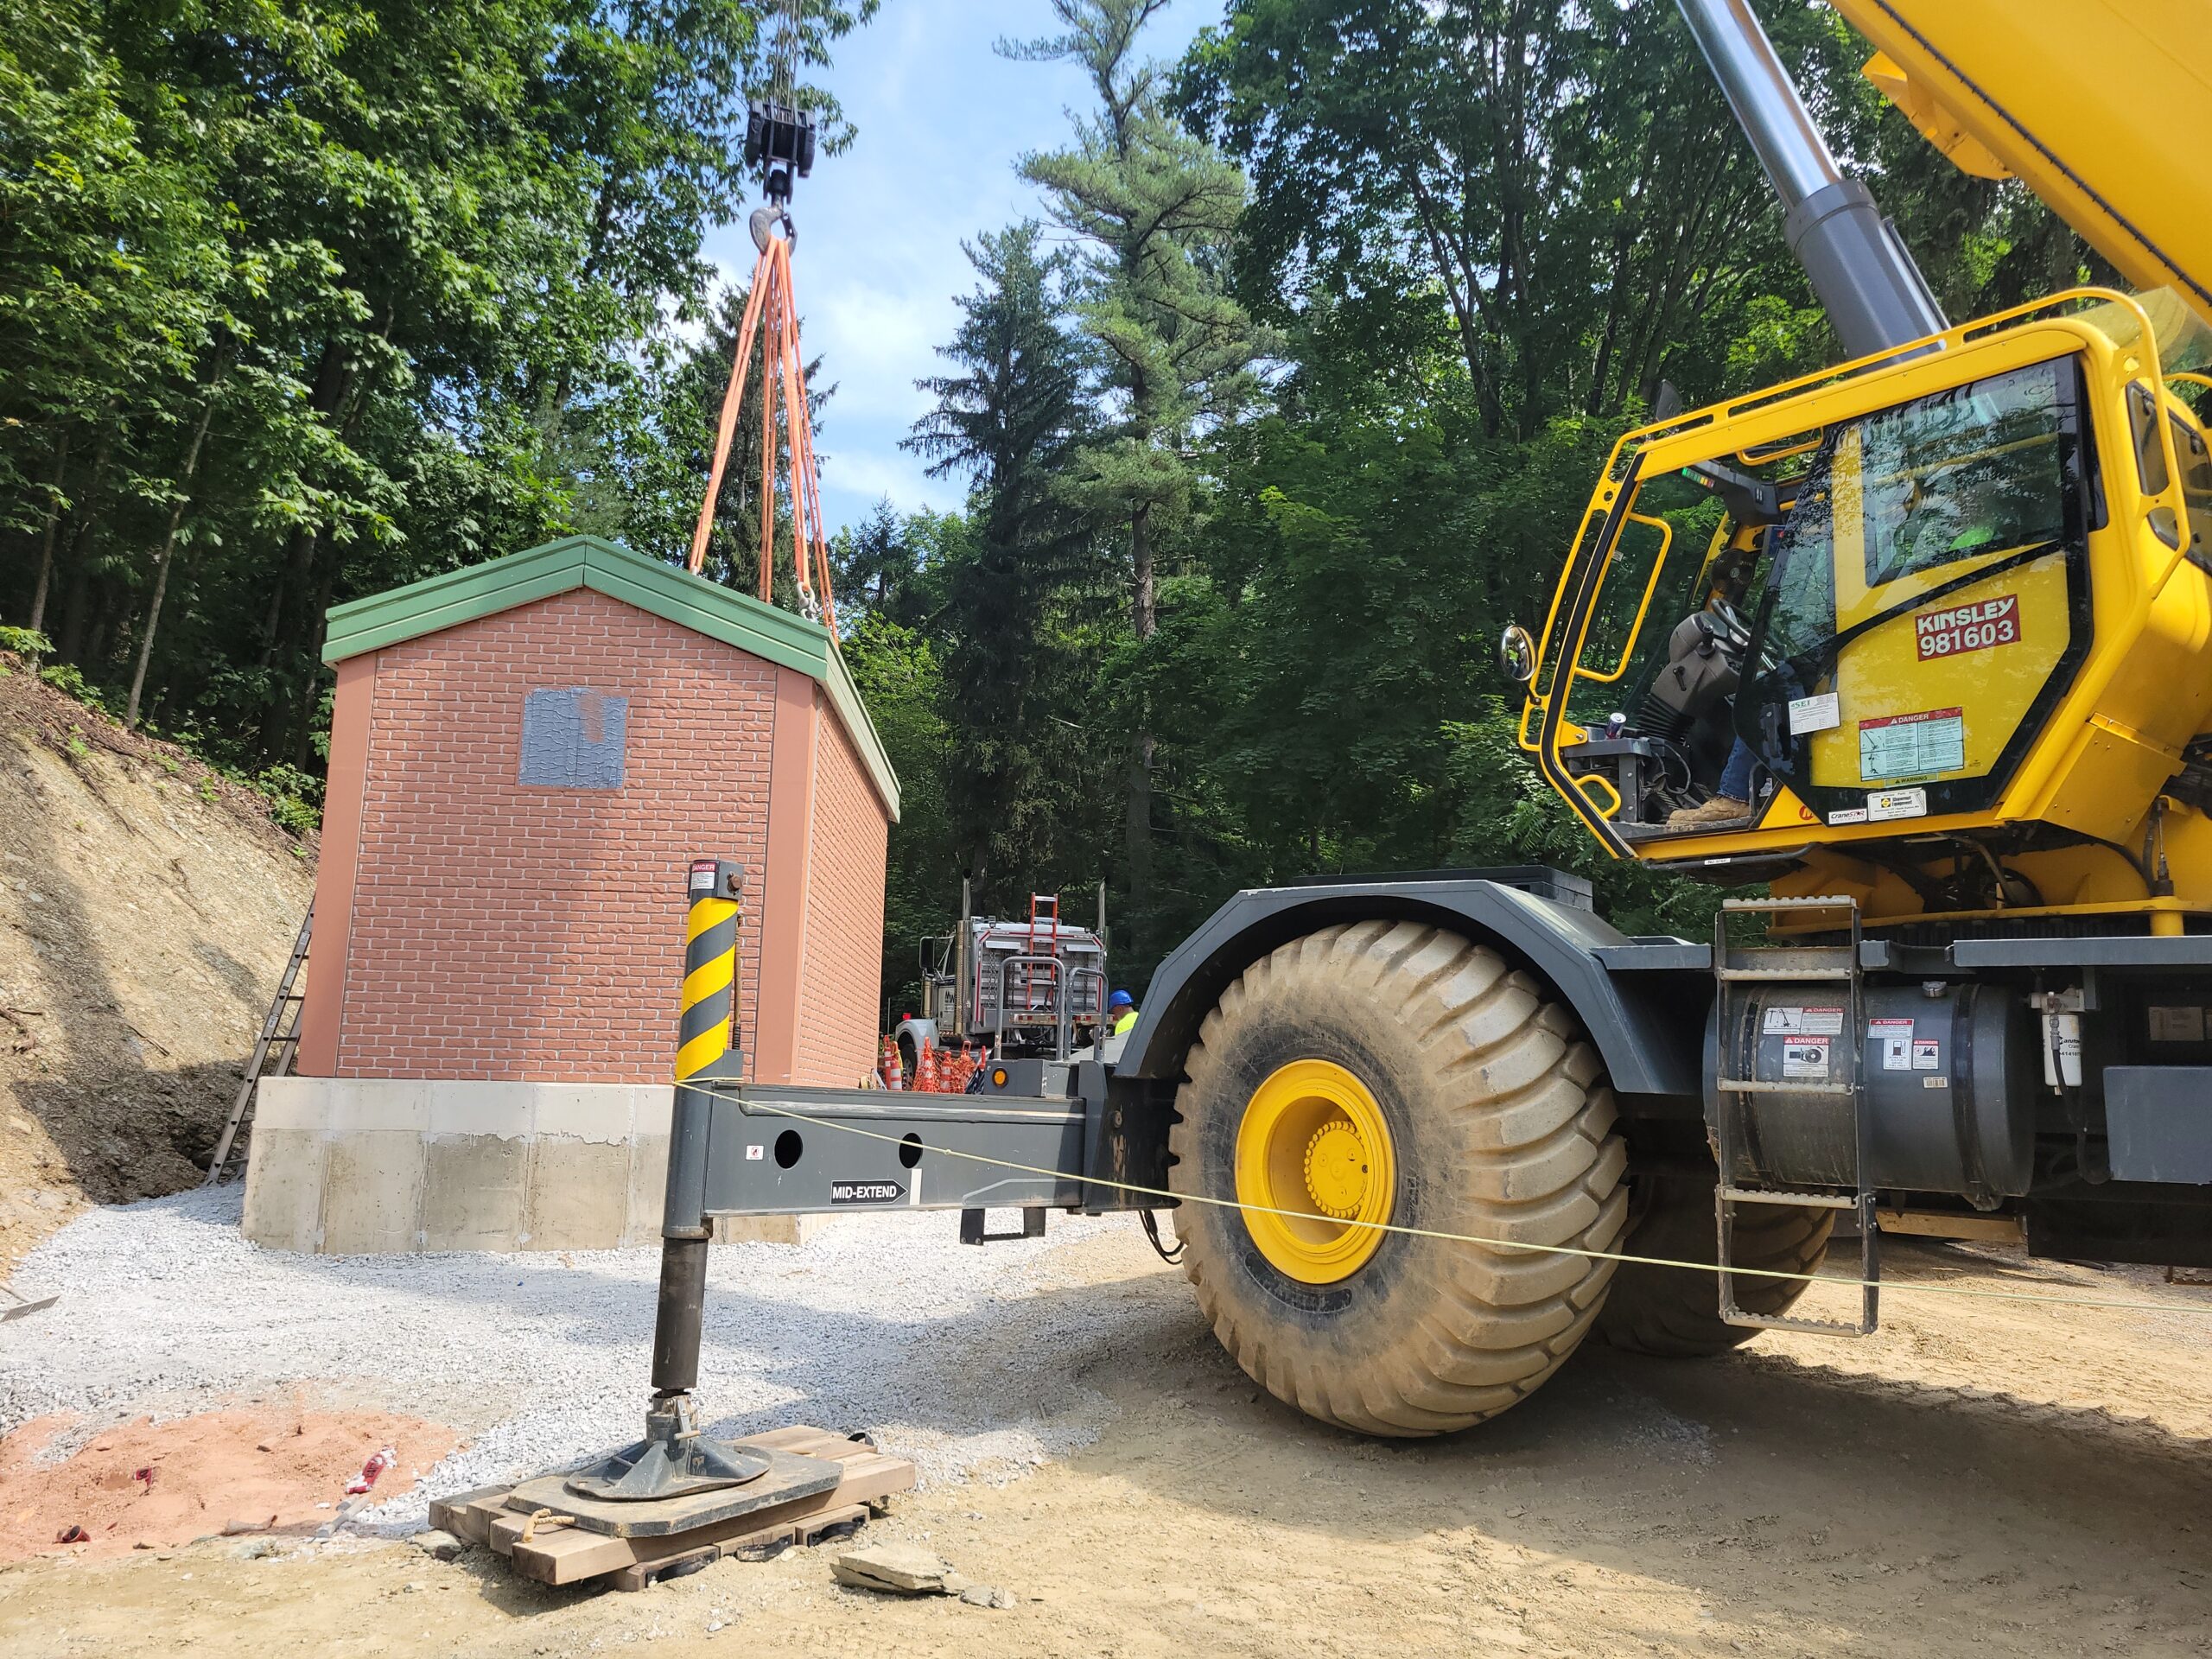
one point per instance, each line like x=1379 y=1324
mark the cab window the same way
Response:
x=1970 y=470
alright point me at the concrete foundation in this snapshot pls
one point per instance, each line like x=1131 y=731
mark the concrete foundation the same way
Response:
x=356 y=1166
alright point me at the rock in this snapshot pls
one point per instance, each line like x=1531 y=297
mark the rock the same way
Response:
x=986 y=1595
x=240 y=1526
x=413 y=1586
x=900 y=1569
x=257 y=1550
x=438 y=1544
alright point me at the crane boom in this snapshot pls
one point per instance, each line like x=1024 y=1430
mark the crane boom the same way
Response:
x=1872 y=290
x=2088 y=103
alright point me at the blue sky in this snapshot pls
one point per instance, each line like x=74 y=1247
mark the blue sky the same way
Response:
x=942 y=119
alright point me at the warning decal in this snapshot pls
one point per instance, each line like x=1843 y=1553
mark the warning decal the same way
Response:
x=1912 y=745
x=1895 y=1037
x=1967 y=627
x=1784 y=1022
x=1805 y=1056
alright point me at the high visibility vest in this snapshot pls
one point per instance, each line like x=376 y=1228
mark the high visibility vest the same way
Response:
x=1127 y=1020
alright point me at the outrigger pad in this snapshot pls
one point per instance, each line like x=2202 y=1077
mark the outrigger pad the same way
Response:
x=786 y=1478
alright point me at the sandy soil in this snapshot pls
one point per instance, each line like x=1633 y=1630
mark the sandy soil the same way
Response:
x=147 y=908
x=141 y=1485
x=1979 y=1477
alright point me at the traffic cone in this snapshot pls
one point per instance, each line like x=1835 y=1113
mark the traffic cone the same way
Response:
x=892 y=1073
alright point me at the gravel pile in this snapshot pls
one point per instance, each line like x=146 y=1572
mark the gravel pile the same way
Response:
x=954 y=1356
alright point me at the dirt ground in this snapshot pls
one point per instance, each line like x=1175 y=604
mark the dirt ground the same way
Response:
x=278 y=1469
x=1980 y=1477
x=147 y=908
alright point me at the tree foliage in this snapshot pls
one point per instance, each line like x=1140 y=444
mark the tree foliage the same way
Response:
x=301 y=302
x=1291 y=399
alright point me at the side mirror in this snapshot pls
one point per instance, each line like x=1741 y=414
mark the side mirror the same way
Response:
x=1516 y=656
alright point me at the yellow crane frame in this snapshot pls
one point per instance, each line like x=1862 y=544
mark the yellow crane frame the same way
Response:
x=2095 y=772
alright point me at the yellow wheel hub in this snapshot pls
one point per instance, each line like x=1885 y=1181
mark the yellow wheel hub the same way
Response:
x=1313 y=1159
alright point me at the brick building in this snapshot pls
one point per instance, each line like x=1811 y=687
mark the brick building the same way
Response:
x=524 y=756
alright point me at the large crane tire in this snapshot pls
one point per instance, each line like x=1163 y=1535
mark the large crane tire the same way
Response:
x=1392 y=1072
x=1676 y=1312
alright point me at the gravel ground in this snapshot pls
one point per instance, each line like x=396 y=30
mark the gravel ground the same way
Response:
x=882 y=1322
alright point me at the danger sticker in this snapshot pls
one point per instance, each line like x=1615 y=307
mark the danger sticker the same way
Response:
x=1979 y=626
x=1927 y=1054
x=1912 y=745
x=1805 y=1056
x=1894 y=1037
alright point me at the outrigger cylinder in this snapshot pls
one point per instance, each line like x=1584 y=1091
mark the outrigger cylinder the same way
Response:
x=674 y=1459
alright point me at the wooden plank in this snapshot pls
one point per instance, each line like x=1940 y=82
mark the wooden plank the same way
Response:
x=639 y=1575
x=468 y=1516
x=570 y=1554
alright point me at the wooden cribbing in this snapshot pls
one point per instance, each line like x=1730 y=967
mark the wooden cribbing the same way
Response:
x=569 y=1555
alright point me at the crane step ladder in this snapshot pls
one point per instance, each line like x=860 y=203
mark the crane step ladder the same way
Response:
x=1738 y=972
x=273 y=1053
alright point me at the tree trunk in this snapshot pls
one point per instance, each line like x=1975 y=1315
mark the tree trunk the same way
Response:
x=73 y=625
x=276 y=719
x=1138 y=828
x=161 y=562
x=46 y=546
x=311 y=687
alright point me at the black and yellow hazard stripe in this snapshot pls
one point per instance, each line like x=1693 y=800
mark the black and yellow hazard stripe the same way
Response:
x=710 y=932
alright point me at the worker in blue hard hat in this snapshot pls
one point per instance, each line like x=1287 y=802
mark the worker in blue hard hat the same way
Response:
x=1121 y=1012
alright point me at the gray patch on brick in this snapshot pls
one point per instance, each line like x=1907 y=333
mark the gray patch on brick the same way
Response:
x=573 y=737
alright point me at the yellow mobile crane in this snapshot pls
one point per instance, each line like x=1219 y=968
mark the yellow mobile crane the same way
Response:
x=1922 y=643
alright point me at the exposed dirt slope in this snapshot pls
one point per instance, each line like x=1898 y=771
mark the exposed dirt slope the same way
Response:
x=147 y=906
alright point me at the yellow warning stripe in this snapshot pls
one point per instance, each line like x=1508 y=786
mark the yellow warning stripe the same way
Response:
x=705 y=913
x=1891 y=1285
x=709 y=978
x=701 y=1052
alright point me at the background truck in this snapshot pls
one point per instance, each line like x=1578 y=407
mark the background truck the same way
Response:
x=1020 y=988
x=1943 y=614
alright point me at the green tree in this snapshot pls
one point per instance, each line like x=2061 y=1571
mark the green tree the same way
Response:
x=1011 y=418
x=1156 y=209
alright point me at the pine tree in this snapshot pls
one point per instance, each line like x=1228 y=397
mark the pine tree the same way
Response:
x=1156 y=208
x=1008 y=419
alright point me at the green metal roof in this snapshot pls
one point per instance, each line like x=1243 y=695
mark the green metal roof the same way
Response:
x=690 y=601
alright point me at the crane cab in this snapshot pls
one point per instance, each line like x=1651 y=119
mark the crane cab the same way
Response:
x=1934 y=619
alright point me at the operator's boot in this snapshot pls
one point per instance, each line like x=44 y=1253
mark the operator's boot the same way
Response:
x=1718 y=813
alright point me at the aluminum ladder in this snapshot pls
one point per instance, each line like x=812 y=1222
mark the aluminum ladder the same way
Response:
x=273 y=1053
x=1736 y=969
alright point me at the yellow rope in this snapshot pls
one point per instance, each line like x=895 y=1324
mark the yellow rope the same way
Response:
x=1972 y=1292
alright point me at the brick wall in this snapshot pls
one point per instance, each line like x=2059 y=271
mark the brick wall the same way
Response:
x=499 y=932
x=842 y=964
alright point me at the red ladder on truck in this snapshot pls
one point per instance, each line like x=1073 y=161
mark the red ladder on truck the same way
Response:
x=1038 y=979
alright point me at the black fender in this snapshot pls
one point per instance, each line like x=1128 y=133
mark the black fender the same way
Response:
x=1642 y=1001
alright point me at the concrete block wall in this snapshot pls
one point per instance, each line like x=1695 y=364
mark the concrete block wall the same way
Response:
x=353 y=1167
